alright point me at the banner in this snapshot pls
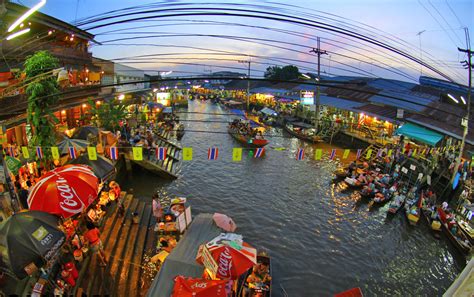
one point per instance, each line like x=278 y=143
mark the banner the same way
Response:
x=55 y=153
x=237 y=154
x=13 y=164
x=187 y=153
x=92 y=153
x=389 y=154
x=137 y=153
x=25 y=152
x=318 y=154
x=346 y=154
x=369 y=153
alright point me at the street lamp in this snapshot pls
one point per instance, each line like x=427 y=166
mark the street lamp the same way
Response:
x=452 y=98
x=26 y=15
x=16 y=34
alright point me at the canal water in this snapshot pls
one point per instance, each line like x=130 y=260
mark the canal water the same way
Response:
x=320 y=241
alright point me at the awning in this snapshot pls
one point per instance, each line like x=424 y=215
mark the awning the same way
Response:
x=168 y=110
x=419 y=133
x=268 y=111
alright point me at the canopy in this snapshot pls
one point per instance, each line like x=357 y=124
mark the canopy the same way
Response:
x=27 y=241
x=224 y=222
x=419 y=133
x=78 y=144
x=302 y=125
x=84 y=131
x=101 y=167
x=193 y=287
x=182 y=260
x=238 y=112
x=268 y=111
x=65 y=191
x=168 y=110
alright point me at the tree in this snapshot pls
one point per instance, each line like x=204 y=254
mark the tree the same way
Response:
x=42 y=95
x=288 y=72
x=108 y=115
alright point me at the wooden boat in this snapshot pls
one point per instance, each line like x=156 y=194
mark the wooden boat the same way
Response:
x=412 y=218
x=245 y=139
x=303 y=131
x=467 y=230
x=396 y=204
x=261 y=290
x=377 y=203
x=462 y=246
x=354 y=292
x=434 y=225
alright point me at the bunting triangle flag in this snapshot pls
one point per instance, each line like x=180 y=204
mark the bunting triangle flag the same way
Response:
x=212 y=153
x=259 y=152
x=359 y=152
x=237 y=154
x=137 y=153
x=39 y=152
x=55 y=153
x=113 y=152
x=187 y=153
x=92 y=153
x=300 y=154
x=389 y=154
x=161 y=153
x=72 y=153
x=318 y=153
x=25 y=152
x=346 y=154
x=333 y=154
x=369 y=153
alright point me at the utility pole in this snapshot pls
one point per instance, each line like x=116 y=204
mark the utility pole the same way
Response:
x=319 y=52
x=468 y=65
x=248 y=62
x=421 y=54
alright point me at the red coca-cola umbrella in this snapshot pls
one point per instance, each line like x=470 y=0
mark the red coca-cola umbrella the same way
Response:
x=230 y=261
x=194 y=287
x=65 y=191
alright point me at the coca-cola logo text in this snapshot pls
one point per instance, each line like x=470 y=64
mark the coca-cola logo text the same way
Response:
x=69 y=201
x=225 y=263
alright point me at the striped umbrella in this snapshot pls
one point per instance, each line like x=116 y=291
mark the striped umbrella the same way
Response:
x=78 y=144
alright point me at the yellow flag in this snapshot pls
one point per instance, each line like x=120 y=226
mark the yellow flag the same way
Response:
x=187 y=153
x=369 y=153
x=237 y=154
x=317 y=154
x=137 y=153
x=92 y=153
x=414 y=153
x=346 y=154
x=55 y=152
x=389 y=154
x=25 y=152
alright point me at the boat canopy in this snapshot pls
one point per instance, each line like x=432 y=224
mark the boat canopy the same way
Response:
x=182 y=259
x=268 y=111
x=302 y=125
x=419 y=133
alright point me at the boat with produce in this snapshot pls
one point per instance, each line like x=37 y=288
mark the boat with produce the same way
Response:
x=455 y=235
x=433 y=223
x=258 y=283
x=412 y=212
x=397 y=203
x=303 y=131
x=247 y=139
x=179 y=131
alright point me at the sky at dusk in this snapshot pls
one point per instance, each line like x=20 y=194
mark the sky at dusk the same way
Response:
x=192 y=50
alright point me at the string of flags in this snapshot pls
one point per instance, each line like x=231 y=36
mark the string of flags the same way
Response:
x=161 y=153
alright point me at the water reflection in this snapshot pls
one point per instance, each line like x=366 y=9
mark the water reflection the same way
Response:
x=322 y=241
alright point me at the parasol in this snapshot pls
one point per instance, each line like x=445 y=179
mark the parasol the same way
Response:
x=195 y=287
x=224 y=222
x=101 y=167
x=78 y=144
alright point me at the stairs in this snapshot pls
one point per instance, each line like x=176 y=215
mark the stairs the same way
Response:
x=124 y=242
x=375 y=149
x=166 y=168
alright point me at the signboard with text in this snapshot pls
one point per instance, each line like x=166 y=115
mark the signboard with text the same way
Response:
x=307 y=97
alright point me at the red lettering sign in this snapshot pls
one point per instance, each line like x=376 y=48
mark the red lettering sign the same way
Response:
x=69 y=201
x=225 y=263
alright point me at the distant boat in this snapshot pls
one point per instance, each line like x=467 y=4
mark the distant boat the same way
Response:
x=246 y=140
x=303 y=131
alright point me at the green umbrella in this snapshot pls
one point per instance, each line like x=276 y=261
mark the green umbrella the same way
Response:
x=13 y=164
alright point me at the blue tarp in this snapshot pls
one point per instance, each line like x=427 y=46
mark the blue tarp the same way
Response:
x=419 y=133
x=238 y=112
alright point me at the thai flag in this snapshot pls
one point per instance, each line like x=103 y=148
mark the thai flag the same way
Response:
x=72 y=152
x=212 y=153
x=259 y=152
x=379 y=153
x=161 y=153
x=333 y=154
x=39 y=152
x=11 y=151
x=300 y=154
x=113 y=153
x=359 y=152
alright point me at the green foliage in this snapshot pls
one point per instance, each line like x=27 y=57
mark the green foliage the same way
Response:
x=42 y=96
x=288 y=72
x=108 y=115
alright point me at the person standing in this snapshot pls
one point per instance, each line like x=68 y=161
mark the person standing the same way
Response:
x=93 y=237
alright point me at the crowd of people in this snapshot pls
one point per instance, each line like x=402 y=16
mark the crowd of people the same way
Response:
x=244 y=128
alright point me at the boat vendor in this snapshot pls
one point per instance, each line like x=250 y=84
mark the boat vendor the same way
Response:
x=258 y=279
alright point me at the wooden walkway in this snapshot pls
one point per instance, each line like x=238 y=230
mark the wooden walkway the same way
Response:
x=124 y=244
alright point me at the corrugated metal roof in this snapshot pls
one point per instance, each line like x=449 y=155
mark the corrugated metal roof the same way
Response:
x=386 y=113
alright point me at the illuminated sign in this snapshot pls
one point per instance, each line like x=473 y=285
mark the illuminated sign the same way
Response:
x=307 y=97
